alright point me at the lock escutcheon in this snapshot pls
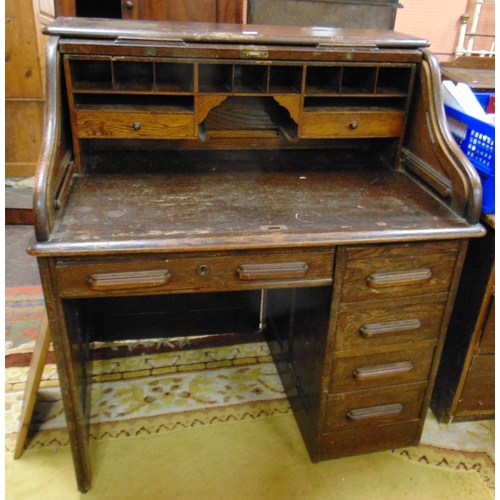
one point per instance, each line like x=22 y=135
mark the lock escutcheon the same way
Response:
x=203 y=270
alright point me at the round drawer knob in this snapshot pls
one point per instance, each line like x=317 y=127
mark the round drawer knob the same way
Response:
x=353 y=125
x=129 y=5
x=203 y=270
x=136 y=126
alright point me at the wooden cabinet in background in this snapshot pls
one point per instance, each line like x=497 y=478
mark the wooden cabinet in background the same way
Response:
x=24 y=83
x=465 y=384
x=207 y=11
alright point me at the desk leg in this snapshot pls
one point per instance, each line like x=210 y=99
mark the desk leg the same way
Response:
x=70 y=351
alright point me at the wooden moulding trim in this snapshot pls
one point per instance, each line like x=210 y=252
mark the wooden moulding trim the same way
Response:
x=42 y=193
x=437 y=181
x=444 y=140
x=50 y=249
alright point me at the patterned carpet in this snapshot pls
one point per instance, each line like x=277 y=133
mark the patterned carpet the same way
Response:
x=155 y=393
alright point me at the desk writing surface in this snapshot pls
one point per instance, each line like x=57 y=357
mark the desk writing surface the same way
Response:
x=259 y=199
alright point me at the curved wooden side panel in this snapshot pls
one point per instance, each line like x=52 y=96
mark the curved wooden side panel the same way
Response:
x=55 y=166
x=431 y=153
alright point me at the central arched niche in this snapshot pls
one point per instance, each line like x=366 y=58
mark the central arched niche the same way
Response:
x=248 y=116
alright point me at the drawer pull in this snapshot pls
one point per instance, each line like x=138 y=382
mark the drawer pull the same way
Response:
x=375 y=411
x=372 y=330
x=137 y=126
x=278 y=270
x=353 y=125
x=381 y=371
x=134 y=279
x=399 y=278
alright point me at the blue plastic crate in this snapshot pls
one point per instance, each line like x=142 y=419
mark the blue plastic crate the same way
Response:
x=483 y=98
x=477 y=140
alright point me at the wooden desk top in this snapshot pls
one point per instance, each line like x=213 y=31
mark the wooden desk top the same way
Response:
x=475 y=78
x=230 y=33
x=226 y=208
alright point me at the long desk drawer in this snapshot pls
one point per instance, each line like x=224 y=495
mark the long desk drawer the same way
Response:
x=163 y=275
x=358 y=373
x=374 y=273
x=351 y=410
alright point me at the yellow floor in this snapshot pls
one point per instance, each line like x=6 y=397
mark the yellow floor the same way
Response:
x=260 y=459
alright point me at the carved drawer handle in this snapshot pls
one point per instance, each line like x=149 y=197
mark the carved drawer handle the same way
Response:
x=134 y=279
x=371 y=330
x=273 y=271
x=382 y=371
x=375 y=411
x=399 y=278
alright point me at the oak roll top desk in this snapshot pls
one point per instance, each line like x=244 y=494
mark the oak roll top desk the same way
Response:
x=299 y=182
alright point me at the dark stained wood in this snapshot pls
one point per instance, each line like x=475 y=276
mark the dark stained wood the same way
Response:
x=231 y=33
x=369 y=371
x=221 y=11
x=477 y=72
x=391 y=323
x=205 y=209
x=339 y=405
x=369 y=439
x=429 y=146
x=168 y=274
x=478 y=394
x=19 y=216
x=297 y=184
x=464 y=387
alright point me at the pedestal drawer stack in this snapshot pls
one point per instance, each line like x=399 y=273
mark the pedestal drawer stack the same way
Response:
x=385 y=328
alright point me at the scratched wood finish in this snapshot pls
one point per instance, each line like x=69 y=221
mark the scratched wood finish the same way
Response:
x=357 y=242
x=233 y=207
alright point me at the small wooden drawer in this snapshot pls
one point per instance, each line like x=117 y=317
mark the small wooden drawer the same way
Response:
x=369 y=439
x=385 y=274
x=377 y=326
x=104 y=124
x=478 y=395
x=142 y=277
x=357 y=373
x=352 y=123
x=351 y=410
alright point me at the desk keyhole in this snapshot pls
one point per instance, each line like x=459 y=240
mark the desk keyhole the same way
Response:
x=203 y=270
